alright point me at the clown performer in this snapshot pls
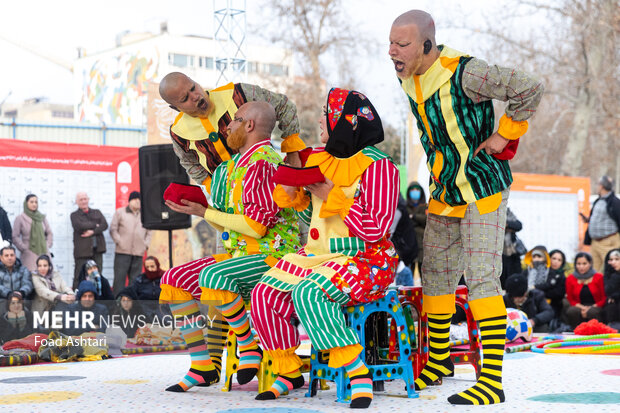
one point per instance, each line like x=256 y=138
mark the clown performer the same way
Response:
x=450 y=95
x=199 y=135
x=348 y=258
x=255 y=233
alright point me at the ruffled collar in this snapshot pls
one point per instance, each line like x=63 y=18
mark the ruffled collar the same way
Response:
x=342 y=172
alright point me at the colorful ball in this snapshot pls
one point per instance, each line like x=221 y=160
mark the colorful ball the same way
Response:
x=518 y=326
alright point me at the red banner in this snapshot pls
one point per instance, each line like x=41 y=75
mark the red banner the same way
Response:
x=76 y=157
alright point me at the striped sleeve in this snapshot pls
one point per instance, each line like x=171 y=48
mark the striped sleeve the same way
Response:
x=372 y=213
x=306 y=214
x=258 y=185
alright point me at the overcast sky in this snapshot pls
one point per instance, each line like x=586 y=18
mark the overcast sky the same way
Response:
x=58 y=28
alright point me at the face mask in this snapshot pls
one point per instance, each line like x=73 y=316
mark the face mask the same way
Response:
x=94 y=274
x=414 y=194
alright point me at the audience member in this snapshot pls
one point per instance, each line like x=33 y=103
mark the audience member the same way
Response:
x=554 y=286
x=585 y=292
x=51 y=290
x=537 y=261
x=404 y=239
x=131 y=241
x=416 y=205
x=86 y=296
x=88 y=241
x=513 y=248
x=16 y=322
x=90 y=272
x=604 y=223
x=611 y=280
x=32 y=234
x=6 y=233
x=14 y=277
x=146 y=287
x=127 y=310
x=532 y=302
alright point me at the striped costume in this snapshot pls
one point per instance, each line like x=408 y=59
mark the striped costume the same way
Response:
x=200 y=144
x=255 y=233
x=348 y=259
x=464 y=235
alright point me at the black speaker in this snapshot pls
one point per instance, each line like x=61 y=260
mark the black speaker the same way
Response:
x=159 y=166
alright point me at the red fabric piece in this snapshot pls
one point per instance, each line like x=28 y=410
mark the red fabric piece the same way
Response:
x=31 y=342
x=291 y=176
x=509 y=151
x=176 y=192
x=304 y=154
x=593 y=327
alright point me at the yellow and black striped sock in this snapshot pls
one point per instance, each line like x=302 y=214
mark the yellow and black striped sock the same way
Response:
x=439 y=363
x=488 y=389
x=216 y=341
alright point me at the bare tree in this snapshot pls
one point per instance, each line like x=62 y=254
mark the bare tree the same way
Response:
x=573 y=45
x=313 y=29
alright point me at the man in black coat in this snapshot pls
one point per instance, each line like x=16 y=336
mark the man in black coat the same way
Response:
x=88 y=226
x=532 y=302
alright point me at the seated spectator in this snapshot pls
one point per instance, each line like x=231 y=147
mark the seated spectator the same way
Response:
x=86 y=296
x=90 y=272
x=146 y=288
x=585 y=291
x=554 y=286
x=532 y=302
x=6 y=232
x=513 y=248
x=14 y=277
x=611 y=280
x=537 y=263
x=16 y=322
x=51 y=290
x=127 y=310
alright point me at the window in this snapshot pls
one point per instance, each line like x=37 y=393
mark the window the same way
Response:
x=206 y=62
x=278 y=70
x=252 y=67
x=180 y=60
x=61 y=114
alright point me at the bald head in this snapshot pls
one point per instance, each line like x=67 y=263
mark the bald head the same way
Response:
x=263 y=115
x=421 y=20
x=169 y=83
x=412 y=43
x=185 y=95
x=82 y=200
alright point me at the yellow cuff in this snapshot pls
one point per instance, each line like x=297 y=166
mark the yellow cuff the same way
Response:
x=220 y=296
x=488 y=307
x=170 y=294
x=283 y=200
x=438 y=304
x=339 y=356
x=236 y=222
x=285 y=361
x=511 y=129
x=292 y=143
x=337 y=203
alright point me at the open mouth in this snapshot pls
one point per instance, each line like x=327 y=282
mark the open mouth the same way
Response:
x=202 y=104
x=398 y=66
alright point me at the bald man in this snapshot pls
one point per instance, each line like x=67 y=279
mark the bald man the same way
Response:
x=199 y=131
x=450 y=95
x=88 y=241
x=255 y=234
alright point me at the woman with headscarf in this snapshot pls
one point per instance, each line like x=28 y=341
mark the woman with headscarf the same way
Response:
x=585 y=291
x=32 y=234
x=90 y=272
x=146 y=287
x=50 y=287
x=16 y=322
x=611 y=280
x=348 y=258
x=554 y=286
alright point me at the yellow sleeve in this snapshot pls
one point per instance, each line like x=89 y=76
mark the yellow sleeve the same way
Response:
x=511 y=129
x=235 y=222
x=281 y=198
x=293 y=143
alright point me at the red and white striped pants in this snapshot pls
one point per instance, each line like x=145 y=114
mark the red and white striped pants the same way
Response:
x=186 y=276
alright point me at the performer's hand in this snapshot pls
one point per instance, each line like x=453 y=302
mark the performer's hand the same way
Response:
x=293 y=159
x=493 y=144
x=321 y=190
x=87 y=233
x=187 y=207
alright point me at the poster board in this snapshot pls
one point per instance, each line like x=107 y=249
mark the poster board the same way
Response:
x=55 y=172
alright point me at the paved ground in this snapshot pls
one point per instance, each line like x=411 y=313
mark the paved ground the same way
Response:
x=533 y=383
